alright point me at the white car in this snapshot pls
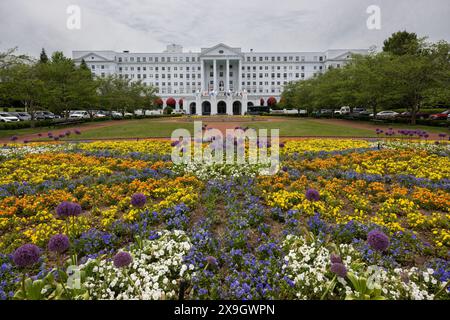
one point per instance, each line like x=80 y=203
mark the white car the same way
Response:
x=179 y=111
x=343 y=110
x=116 y=114
x=385 y=114
x=22 y=116
x=79 y=115
x=6 y=117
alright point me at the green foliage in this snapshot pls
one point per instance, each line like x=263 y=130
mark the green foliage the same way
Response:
x=402 y=43
x=58 y=85
x=51 y=288
x=408 y=75
x=364 y=288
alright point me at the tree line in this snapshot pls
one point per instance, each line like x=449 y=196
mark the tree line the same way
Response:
x=58 y=85
x=410 y=73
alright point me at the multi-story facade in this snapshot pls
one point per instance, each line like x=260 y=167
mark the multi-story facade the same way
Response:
x=216 y=80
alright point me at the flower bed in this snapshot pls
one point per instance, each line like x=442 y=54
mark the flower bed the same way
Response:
x=343 y=219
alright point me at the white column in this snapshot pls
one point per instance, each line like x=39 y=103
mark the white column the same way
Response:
x=227 y=77
x=215 y=75
x=202 y=75
x=239 y=86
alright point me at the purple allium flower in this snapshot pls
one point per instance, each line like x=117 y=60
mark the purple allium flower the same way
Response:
x=14 y=138
x=26 y=255
x=138 y=200
x=378 y=240
x=67 y=133
x=66 y=209
x=50 y=134
x=282 y=145
x=211 y=261
x=39 y=134
x=173 y=144
x=442 y=135
x=61 y=135
x=334 y=258
x=122 y=259
x=58 y=243
x=25 y=141
x=56 y=138
x=77 y=131
x=312 y=195
x=285 y=169
x=339 y=269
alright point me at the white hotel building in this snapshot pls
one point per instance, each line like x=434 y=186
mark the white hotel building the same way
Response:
x=216 y=80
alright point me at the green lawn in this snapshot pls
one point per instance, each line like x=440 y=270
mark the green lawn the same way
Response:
x=152 y=128
x=308 y=127
x=18 y=132
x=145 y=128
x=406 y=126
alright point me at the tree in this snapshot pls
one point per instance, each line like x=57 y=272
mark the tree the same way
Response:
x=83 y=65
x=60 y=79
x=371 y=81
x=22 y=82
x=419 y=76
x=43 y=57
x=402 y=43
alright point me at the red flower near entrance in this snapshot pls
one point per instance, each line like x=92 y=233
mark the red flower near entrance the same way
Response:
x=171 y=102
x=261 y=102
x=271 y=101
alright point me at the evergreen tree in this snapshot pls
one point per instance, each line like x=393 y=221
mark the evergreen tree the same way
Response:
x=43 y=57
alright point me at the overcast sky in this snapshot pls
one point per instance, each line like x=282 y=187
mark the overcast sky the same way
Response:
x=264 y=25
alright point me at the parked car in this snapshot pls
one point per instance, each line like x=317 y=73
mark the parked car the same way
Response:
x=6 y=117
x=79 y=115
x=326 y=112
x=116 y=114
x=179 y=111
x=360 y=115
x=359 y=110
x=419 y=115
x=440 y=116
x=22 y=116
x=343 y=110
x=100 y=114
x=387 y=114
x=41 y=115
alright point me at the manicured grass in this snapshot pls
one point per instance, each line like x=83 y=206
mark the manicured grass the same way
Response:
x=308 y=127
x=144 y=128
x=384 y=126
x=18 y=132
x=289 y=127
x=152 y=128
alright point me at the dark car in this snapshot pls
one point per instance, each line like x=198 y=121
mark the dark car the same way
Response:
x=419 y=115
x=363 y=115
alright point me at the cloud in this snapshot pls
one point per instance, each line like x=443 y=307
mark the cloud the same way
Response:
x=264 y=25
